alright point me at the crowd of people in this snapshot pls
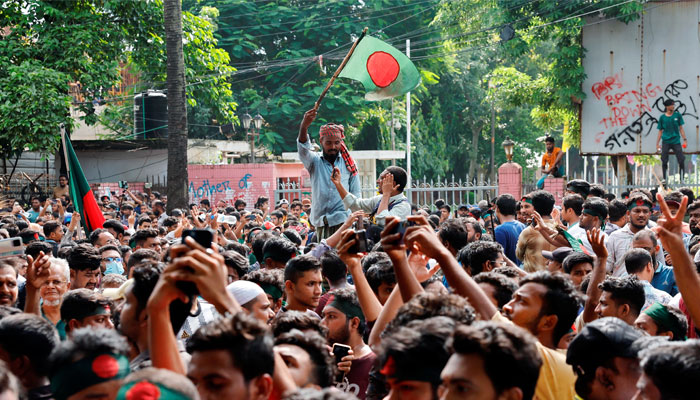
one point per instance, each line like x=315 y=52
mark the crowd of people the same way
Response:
x=339 y=297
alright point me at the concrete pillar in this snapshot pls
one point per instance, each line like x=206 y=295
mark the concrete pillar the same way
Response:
x=510 y=179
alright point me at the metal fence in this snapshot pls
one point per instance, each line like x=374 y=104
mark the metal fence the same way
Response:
x=422 y=192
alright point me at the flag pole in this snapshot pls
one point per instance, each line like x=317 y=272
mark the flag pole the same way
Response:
x=65 y=156
x=340 y=68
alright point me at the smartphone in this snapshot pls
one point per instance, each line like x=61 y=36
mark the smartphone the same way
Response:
x=401 y=228
x=340 y=351
x=11 y=247
x=147 y=185
x=204 y=238
x=360 y=245
x=123 y=185
x=251 y=217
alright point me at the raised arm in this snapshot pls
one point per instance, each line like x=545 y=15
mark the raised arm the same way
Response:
x=309 y=117
x=597 y=240
x=371 y=307
x=389 y=311
x=429 y=244
x=392 y=245
x=388 y=187
x=687 y=278
x=37 y=274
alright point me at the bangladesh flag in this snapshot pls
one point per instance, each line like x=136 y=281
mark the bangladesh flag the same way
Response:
x=384 y=71
x=83 y=199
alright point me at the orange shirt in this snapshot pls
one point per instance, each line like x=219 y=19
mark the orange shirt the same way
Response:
x=548 y=159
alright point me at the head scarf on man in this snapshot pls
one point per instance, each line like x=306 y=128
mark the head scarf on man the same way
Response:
x=333 y=131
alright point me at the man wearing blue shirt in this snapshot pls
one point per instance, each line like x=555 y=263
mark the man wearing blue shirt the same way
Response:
x=508 y=231
x=327 y=210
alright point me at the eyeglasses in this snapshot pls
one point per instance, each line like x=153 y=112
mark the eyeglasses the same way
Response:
x=112 y=259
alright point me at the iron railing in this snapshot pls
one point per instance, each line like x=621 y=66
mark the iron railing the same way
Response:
x=422 y=192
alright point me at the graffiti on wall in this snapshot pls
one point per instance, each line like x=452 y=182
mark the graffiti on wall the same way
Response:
x=633 y=113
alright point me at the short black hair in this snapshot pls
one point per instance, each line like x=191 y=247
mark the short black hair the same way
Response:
x=84 y=257
x=596 y=190
x=348 y=296
x=145 y=278
x=381 y=270
x=549 y=139
x=504 y=287
x=170 y=221
x=297 y=266
x=430 y=304
x=618 y=210
x=31 y=336
x=636 y=260
x=80 y=303
x=115 y=225
x=140 y=255
x=477 y=253
x=419 y=346
x=674 y=368
x=142 y=235
x=453 y=232
x=509 y=354
x=34 y=248
x=573 y=202
x=259 y=243
x=575 y=259
x=625 y=290
x=597 y=206
x=239 y=202
x=247 y=340
x=289 y=320
x=506 y=204
x=267 y=279
x=688 y=192
x=278 y=249
x=543 y=202
x=293 y=236
x=316 y=347
x=110 y=248
x=400 y=176
x=562 y=299
x=609 y=197
x=238 y=262
x=95 y=235
x=50 y=227
x=333 y=268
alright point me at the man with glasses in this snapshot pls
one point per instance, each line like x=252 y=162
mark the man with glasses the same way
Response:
x=481 y=256
x=48 y=279
x=112 y=261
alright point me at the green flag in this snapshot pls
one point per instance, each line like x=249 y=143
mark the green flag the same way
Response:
x=83 y=198
x=384 y=71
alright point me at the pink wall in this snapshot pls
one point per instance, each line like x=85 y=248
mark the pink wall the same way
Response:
x=239 y=181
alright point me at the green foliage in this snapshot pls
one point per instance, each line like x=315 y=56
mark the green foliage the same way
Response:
x=51 y=43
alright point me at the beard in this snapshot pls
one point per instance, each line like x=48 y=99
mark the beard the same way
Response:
x=695 y=230
x=332 y=156
x=343 y=336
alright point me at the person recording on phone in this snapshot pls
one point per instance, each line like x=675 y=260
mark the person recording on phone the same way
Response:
x=390 y=202
x=670 y=131
x=327 y=210
x=346 y=324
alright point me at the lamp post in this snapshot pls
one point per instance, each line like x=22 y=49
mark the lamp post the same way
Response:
x=508 y=147
x=257 y=121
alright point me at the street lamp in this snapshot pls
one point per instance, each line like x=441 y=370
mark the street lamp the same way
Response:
x=257 y=124
x=508 y=147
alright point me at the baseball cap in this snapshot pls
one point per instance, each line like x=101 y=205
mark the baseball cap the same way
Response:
x=558 y=254
x=113 y=206
x=283 y=201
x=600 y=341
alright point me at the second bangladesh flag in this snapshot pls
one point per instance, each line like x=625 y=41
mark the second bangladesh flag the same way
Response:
x=384 y=71
x=83 y=198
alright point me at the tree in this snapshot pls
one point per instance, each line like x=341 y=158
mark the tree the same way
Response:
x=47 y=45
x=177 y=109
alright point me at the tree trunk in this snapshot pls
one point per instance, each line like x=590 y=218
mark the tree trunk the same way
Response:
x=177 y=108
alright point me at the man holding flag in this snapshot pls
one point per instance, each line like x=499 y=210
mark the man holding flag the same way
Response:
x=327 y=210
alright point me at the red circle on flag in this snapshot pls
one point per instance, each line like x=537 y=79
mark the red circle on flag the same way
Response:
x=382 y=68
x=143 y=390
x=105 y=366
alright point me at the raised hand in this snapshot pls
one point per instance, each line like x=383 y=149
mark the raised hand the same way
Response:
x=672 y=223
x=418 y=263
x=388 y=184
x=423 y=237
x=309 y=118
x=597 y=241
x=335 y=176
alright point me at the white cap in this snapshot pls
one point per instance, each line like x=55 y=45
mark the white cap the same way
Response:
x=244 y=291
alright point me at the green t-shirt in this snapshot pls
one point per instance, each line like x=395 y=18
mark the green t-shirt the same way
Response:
x=671 y=127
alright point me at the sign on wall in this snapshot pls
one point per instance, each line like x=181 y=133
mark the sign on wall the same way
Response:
x=632 y=69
